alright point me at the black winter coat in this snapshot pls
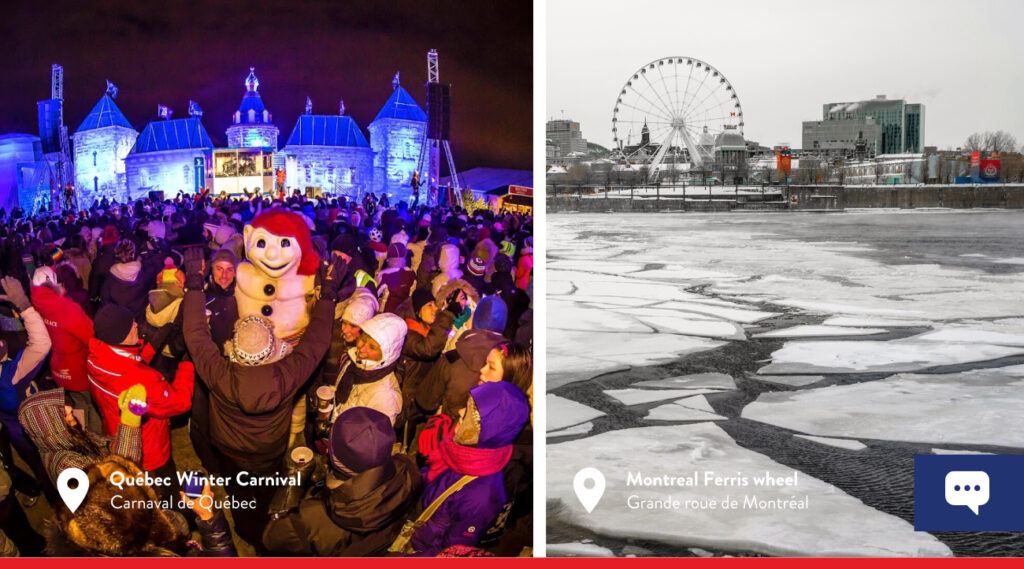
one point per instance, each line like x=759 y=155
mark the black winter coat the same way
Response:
x=251 y=406
x=359 y=518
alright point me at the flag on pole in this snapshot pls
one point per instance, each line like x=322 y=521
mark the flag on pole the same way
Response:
x=111 y=90
x=194 y=110
x=341 y=108
x=309 y=106
x=164 y=112
x=396 y=81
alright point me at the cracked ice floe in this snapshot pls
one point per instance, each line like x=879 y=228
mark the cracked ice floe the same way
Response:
x=612 y=350
x=855 y=321
x=594 y=266
x=645 y=311
x=626 y=288
x=681 y=273
x=695 y=327
x=678 y=411
x=980 y=407
x=565 y=369
x=824 y=529
x=562 y=413
x=581 y=429
x=906 y=354
x=973 y=336
x=790 y=380
x=630 y=396
x=578 y=549
x=811 y=331
x=736 y=315
x=847 y=444
x=559 y=287
x=699 y=403
x=693 y=381
x=565 y=315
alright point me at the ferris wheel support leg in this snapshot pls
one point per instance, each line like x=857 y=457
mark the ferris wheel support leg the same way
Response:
x=653 y=170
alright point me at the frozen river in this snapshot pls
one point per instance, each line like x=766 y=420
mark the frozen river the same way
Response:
x=832 y=347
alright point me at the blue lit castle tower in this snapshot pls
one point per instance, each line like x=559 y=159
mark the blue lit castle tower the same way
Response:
x=397 y=135
x=101 y=144
x=329 y=153
x=169 y=156
x=252 y=124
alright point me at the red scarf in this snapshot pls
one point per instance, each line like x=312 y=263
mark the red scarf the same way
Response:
x=447 y=454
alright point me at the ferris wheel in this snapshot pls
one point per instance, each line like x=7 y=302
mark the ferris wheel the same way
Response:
x=671 y=104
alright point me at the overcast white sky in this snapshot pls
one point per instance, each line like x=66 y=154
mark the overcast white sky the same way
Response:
x=963 y=60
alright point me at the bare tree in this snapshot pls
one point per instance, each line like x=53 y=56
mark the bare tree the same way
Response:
x=996 y=142
x=1002 y=141
x=975 y=142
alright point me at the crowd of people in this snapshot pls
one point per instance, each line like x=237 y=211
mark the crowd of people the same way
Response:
x=374 y=360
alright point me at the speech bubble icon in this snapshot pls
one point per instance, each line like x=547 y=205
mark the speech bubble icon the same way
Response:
x=967 y=488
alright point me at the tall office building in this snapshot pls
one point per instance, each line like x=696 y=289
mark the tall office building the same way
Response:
x=887 y=126
x=566 y=135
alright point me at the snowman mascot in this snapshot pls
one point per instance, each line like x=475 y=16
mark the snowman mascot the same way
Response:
x=277 y=278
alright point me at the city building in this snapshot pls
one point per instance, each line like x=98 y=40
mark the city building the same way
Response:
x=397 y=136
x=566 y=135
x=170 y=156
x=840 y=137
x=101 y=143
x=886 y=126
x=730 y=156
x=252 y=124
x=908 y=168
x=329 y=154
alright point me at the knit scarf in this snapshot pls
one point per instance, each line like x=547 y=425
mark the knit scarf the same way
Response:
x=466 y=460
x=354 y=375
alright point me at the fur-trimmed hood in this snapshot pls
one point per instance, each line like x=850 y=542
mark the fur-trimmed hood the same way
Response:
x=441 y=294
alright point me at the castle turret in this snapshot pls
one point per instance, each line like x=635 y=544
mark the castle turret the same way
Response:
x=397 y=134
x=101 y=144
x=252 y=124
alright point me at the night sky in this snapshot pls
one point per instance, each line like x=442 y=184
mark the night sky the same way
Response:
x=170 y=52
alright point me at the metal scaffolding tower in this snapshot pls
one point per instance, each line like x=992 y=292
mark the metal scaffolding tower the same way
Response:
x=435 y=138
x=59 y=160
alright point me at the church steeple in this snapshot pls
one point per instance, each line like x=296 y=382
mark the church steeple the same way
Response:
x=251 y=82
x=645 y=135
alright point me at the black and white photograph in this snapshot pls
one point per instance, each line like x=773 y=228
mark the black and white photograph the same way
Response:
x=784 y=274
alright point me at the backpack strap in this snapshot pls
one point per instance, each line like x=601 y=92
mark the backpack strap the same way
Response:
x=432 y=508
x=402 y=543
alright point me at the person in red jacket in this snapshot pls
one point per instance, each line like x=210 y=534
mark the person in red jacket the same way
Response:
x=70 y=330
x=117 y=360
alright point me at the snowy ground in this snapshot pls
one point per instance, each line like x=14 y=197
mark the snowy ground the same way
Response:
x=813 y=339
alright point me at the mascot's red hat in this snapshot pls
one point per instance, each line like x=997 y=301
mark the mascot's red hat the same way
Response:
x=290 y=224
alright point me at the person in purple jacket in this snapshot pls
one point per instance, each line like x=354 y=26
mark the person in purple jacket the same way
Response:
x=480 y=446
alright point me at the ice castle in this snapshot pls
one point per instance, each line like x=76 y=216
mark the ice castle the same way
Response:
x=324 y=154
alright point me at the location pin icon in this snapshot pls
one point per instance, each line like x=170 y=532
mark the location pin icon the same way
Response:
x=72 y=496
x=589 y=497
